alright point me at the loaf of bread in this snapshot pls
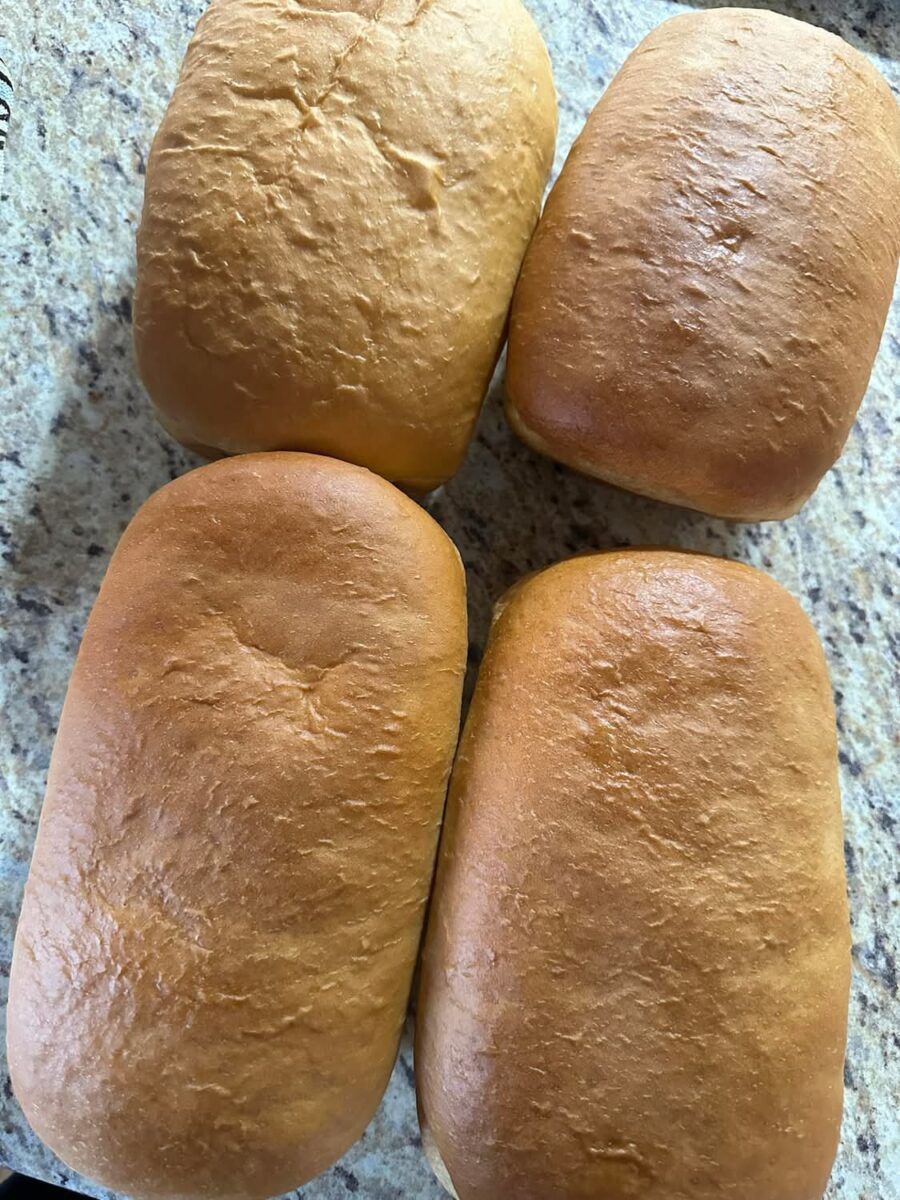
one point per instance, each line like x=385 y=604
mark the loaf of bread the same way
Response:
x=636 y=975
x=213 y=960
x=701 y=306
x=337 y=205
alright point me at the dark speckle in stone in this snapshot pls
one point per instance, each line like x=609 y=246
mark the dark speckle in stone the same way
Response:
x=849 y=858
x=599 y=20
x=33 y=606
x=114 y=165
x=128 y=102
x=859 y=622
x=38 y=513
x=51 y=320
x=886 y=821
x=868 y=1144
x=852 y=766
x=89 y=357
x=94 y=551
x=123 y=308
x=879 y=424
x=349 y=1180
x=11 y=456
x=879 y=960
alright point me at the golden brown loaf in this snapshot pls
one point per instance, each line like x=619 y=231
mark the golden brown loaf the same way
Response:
x=702 y=303
x=337 y=206
x=214 y=955
x=636 y=975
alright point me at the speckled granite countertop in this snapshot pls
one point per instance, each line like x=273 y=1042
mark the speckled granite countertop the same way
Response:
x=79 y=451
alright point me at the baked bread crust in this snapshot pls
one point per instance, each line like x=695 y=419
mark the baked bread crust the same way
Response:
x=216 y=947
x=636 y=973
x=337 y=205
x=700 y=308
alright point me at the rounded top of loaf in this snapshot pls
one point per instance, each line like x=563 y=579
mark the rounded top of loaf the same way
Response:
x=731 y=22
x=651 y=576
x=257 y=492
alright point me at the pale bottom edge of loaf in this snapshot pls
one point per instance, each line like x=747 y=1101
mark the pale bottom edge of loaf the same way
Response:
x=424 y=491
x=433 y=1156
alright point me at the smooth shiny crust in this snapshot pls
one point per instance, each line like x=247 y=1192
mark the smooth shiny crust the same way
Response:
x=215 y=952
x=701 y=306
x=636 y=974
x=337 y=205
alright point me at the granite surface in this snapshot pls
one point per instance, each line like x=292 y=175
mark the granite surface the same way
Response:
x=79 y=451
